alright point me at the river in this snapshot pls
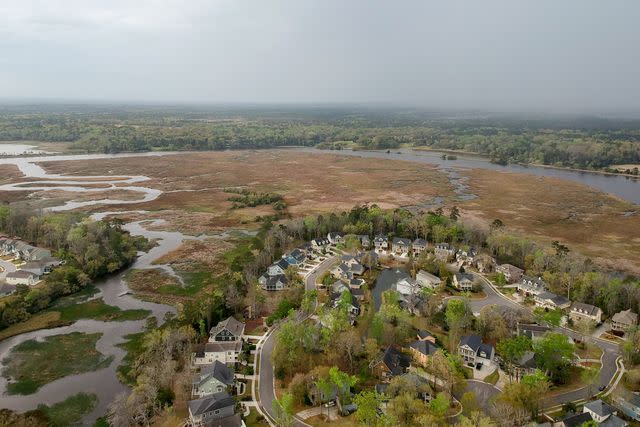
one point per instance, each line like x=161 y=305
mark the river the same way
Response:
x=104 y=382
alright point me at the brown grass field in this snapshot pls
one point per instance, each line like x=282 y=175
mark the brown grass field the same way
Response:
x=587 y=220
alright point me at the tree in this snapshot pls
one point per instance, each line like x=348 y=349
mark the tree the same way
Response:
x=405 y=408
x=439 y=406
x=454 y=214
x=476 y=419
x=283 y=410
x=491 y=325
x=367 y=402
x=590 y=376
x=469 y=403
x=511 y=350
x=554 y=353
x=457 y=315
x=309 y=301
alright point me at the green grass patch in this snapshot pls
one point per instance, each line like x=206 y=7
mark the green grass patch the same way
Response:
x=32 y=364
x=79 y=297
x=493 y=377
x=98 y=310
x=194 y=282
x=70 y=410
x=254 y=419
x=133 y=347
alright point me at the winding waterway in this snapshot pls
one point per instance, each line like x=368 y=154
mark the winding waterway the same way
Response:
x=104 y=383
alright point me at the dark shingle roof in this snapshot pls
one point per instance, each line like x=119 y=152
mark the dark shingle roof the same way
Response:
x=231 y=324
x=211 y=403
x=219 y=371
x=425 y=347
x=600 y=408
x=395 y=361
x=577 y=419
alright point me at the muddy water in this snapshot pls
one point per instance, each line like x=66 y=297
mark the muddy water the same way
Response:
x=104 y=382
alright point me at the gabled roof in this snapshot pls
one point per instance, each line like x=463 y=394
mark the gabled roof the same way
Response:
x=219 y=371
x=600 y=408
x=218 y=347
x=231 y=324
x=21 y=274
x=443 y=246
x=425 y=347
x=6 y=288
x=556 y=299
x=462 y=277
x=419 y=242
x=283 y=264
x=531 y=330
x=401 y=241
x=614 y=421
x=626 y=316
x=428 y=276
x=527 y=360
x=298 y=254
x=583 y=308
x=576 y=420
x=381 y=238
x=475 y=343
x=424 y=334
x=211 y=403
x=395 y=361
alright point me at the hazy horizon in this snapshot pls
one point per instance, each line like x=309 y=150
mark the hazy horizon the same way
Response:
x=573 y=57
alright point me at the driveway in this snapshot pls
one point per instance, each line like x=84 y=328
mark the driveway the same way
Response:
x=484 y=392
x=7 y=267
x=318 y=271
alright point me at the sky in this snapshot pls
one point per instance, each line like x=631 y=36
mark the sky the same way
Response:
x=538 y=55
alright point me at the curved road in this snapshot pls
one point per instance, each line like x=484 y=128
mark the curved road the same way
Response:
x=610 y=350
x=265 y=374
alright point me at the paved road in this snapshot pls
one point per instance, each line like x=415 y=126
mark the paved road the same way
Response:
x=265 y=373
x=7 y=267
x=611 y=351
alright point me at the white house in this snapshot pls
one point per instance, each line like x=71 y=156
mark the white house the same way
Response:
x=214 y=410
x=463 y=281
x=335 y=238
x=551 y=301
x=22 y=277
x=511 y=273
x=428 y=280
x=381 y=242
x=419 y=246
x=226 y=352
x=472 y=350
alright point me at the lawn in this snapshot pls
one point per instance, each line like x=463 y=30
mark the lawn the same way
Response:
x=98 y=310
x=493 y=377
x=254 y=419
x=70 y=410
x=32 y=364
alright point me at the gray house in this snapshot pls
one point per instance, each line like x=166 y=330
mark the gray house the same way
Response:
x=209 y=410
x=229 y=329
x=213 y=378
x=472 y=350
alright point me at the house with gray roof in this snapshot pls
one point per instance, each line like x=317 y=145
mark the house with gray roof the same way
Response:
x=463 y=281
x=472 y=350
x=511 y=273
x=335 y=238
x=229 y=329
x=419 y=246
x=209 y=410
x=401 y=245
x=225 y=351
x=531 y=286
x=212 y=379
x=581 y=311
x=551 y=301
x=381 y=242
x=22 y=277
x=428 y=280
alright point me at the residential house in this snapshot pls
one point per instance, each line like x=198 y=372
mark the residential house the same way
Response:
x=6 y=289
x=356 y=283
x=531 y=286
x=36 y=267
x=36 y=254
x=229 y=329
x=365 y=241
x=21 y=277
x=354 y=264
x=210 y=410
x=581 y=311
x=391 y=364
x=213 y=378
x=358 y=294
x=224 y=351
x=463 y=281
x=423 y=335
x=419 y=246
x=533 y=331
x=319 y=243
x=273 y=283
x=575 y=420
x=369 y=259
x=624 y=320
x=551 y=301
x=428 y=280
x=354 y=304
x=629 y=403
x=473 y=351
x=381 y=242
x=421 y=351
x=466 y=256
x=335 y=238
x=599 y=410
x=443 y=251
x=407 y=286
x=401 y=246
x=278 y=268
x=511 y=273
x=484 y=263
x=526 y=365
x=295 y=257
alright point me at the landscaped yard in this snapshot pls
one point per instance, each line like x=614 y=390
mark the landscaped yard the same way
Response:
x=254 y=419
x=32 y=364
x=493 y=377
x=70 y=410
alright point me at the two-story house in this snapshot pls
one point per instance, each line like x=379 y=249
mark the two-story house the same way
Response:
x=419 y=246
x=531 y=286
x=392 y=363
x=212 y=379
x=511 y=273
x=381 y=242
x=622 y=321
x=463 y=282
x=214 y=410
x=421 y=351
x=473 y=351
x=443 y=251
x=22 y=277
x=551 y=301
x=335 y=238
x=428 y=280
x=581 y=311
x=401 y=246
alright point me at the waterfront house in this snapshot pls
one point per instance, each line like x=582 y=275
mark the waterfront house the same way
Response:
x=401 y=246
x=427 y=280
x=213 y=378
x=278 y=268
x=407 y=286
x=443 y=251
x=224 y=351
x=229 y=329
x=212 y=410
